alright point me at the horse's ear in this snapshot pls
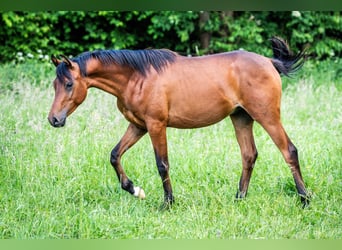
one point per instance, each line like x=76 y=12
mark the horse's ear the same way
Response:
x=67 y=61
x=55 y=60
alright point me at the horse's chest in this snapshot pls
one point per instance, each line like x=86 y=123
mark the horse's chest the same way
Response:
x=131 y=116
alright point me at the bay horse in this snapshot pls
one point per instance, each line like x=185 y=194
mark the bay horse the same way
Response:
x=158 y=88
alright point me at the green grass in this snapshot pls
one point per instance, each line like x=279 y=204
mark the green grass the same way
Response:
x=58 y=183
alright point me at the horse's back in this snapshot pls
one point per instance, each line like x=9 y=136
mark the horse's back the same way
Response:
x=237 y=65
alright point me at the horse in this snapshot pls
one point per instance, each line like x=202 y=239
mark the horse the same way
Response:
x=158 y=88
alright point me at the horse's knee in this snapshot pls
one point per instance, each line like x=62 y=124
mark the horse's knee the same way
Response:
x=162 y=165
x=163 y=168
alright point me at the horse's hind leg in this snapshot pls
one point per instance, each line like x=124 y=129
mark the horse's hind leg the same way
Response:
x=243 y=125
x=132 y=135
x=278 y=134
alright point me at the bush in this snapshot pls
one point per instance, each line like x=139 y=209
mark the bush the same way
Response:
x=39 y=34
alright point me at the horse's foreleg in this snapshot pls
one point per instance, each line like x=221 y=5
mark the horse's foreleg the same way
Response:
x=243 y=125
x=157 y=132
x=132 y=135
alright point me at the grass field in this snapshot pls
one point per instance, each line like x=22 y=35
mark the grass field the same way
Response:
x=58 y=183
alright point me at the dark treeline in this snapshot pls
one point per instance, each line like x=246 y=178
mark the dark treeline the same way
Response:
x=40 y=34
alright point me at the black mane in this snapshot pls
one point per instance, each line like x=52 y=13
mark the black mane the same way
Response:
x=139 y=60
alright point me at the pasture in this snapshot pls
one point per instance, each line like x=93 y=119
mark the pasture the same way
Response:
x=58 y=183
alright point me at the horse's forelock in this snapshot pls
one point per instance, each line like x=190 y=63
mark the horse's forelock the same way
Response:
x=63 y=71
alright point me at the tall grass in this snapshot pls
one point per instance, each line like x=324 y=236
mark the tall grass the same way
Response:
x=58 y=183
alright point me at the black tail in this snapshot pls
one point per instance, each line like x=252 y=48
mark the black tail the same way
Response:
x=283 y=58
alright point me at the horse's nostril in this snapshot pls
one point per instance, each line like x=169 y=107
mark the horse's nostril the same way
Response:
x=54 y=121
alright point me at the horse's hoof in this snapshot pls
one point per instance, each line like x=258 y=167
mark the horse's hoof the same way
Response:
x=305 y=201
x=167 y=204
x=240 y=195
x=139 y=193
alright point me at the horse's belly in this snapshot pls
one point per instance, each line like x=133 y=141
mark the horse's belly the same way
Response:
x=192 y=122
x=198 y=114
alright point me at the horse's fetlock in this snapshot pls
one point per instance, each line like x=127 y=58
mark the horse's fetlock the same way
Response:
x=128 y=186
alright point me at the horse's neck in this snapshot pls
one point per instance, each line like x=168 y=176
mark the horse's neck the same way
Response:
x=112 y=79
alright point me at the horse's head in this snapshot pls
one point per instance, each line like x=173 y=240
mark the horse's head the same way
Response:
x=70 y=91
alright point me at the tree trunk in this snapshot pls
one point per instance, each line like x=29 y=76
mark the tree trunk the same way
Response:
x=226 y=16
x=204 y=34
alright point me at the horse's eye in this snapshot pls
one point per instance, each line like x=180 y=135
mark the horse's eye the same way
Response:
x=68 y=85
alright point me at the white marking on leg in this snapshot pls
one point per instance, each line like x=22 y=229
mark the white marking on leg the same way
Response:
x=139 y=193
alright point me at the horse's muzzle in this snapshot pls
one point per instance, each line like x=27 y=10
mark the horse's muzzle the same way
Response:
x=55 y=122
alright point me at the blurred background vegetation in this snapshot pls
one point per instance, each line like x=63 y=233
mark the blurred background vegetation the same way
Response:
x=25 y=35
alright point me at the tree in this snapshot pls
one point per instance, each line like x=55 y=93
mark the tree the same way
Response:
x=40 y=34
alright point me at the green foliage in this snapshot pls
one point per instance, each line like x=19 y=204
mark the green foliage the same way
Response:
x=171 y=29
x=25 y=35
x=239 y=31
x=322 y=32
